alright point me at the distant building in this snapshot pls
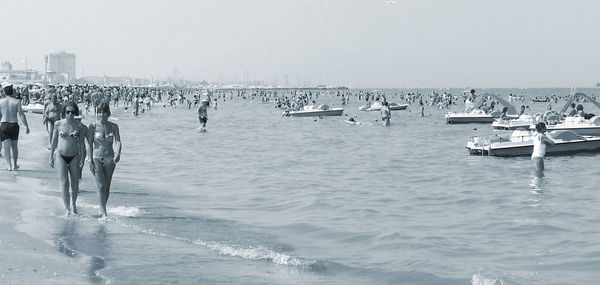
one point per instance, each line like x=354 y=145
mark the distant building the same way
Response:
x=61 y=67
x=8 y=74
x=6 y=66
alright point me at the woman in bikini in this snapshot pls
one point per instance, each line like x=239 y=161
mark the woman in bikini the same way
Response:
x=69 y=141
x=52 y=113
x=103 y=137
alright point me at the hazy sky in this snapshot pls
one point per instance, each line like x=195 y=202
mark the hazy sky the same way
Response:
x=365 y=43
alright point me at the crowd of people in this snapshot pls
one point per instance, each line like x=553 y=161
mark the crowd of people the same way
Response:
x=72 y=143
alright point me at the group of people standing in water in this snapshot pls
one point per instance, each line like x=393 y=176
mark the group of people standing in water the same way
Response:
x=72 y=144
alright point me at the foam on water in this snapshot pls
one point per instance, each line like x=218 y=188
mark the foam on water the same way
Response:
x=478 y=279
x=253 y=253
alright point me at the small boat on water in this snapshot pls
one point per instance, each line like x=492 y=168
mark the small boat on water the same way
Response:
x=377 y=106
x=36 y=108
x=309 y=111
x=584 y=126
x=475 y=116
x=520 y=143
x=480 y=116
x=523 y=121
x=580 y=125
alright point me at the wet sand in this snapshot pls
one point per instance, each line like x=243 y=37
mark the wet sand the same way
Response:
x=25 y=259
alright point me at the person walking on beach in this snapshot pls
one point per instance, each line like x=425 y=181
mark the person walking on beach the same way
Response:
x=540 y=140
x=52 y=113
x=68 y=138
x=103 y=137
x=385 y=114
x=10 y=107
x=203 y=113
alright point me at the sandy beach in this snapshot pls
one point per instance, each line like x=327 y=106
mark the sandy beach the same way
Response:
x=25 y=259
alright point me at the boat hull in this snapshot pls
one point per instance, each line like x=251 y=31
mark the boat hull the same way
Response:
x=315 y=113
x=394 y=107
x=514 y=149
x=469 y=119
x=510 y=125
x=34 y=108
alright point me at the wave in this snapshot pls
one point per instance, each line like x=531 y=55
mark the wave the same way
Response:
x=479 y=279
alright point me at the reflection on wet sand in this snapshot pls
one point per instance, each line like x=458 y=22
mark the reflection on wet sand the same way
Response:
x=71 y=242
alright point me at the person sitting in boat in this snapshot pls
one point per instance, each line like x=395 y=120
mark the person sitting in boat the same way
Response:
x=580 y=112
x=491 y=108
x=522 y=110
x=573 y=110
x=503 y=114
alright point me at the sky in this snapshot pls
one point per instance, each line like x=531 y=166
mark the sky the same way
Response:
x=356 y=43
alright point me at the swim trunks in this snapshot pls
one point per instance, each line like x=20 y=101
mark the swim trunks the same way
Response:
x=203 y=119
x=9 y=131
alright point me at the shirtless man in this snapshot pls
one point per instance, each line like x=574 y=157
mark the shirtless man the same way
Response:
x=9 y=125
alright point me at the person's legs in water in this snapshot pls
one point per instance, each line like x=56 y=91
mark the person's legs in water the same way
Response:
x=105 y=168
x=538 y=163
x=75 y=174
x=63 y=179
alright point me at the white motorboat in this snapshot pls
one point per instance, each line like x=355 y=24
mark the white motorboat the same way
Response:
x=34 y=108
x=520 y=143
x=475 y=116
x=377 y=106
x=309 y=111
x=523 y=121
x=479 y=116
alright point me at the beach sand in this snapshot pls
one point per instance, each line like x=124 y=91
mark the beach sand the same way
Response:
x=26 y=259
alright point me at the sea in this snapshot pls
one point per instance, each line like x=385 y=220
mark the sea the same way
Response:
x=265 y=199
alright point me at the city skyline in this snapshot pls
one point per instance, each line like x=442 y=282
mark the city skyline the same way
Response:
x=379 y=44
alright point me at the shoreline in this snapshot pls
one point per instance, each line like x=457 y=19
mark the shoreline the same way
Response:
x=27 y=259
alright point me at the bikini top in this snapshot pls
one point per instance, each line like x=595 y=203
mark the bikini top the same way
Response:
x=102 y=137
x=74 y=134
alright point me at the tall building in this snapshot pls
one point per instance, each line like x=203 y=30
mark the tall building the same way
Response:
x=6 y=66
x=61 y=67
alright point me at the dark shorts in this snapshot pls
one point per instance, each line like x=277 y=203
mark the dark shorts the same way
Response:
x=203 y=119
x=9 y=131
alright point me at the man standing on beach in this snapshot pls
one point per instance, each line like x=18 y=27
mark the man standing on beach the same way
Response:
x=9 y=125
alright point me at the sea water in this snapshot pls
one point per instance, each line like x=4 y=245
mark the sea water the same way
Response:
x=265 y=199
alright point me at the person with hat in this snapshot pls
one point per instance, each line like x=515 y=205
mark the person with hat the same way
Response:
x=10 y=108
